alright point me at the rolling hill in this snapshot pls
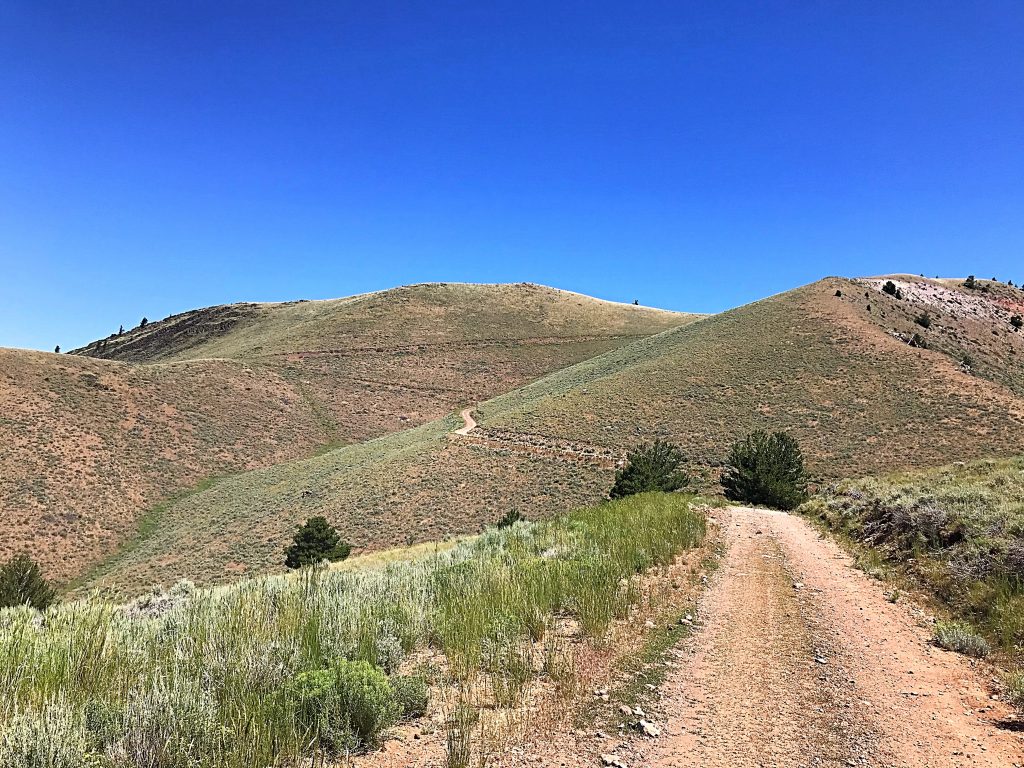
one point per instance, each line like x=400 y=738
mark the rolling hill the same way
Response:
x=831 y=362
x=98 y=440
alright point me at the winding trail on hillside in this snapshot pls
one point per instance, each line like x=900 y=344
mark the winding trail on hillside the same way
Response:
x=801 y=661
x=469 y=423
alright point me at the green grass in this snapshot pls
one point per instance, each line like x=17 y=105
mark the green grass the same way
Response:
x=149 y=524
x=638 y=677
x=1014 y=685
x=259 y=673
x=956 y=530
x=408 y=488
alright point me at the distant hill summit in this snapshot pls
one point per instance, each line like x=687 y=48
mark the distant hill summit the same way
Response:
x=93 y=440
x=413 y=315
x=834 y=362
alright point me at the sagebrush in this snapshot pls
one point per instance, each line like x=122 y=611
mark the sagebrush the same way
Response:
x=278 y=668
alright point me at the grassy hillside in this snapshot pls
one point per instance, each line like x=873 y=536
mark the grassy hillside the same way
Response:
x=858 y=398
x=93 y=444
x=380 y=362
x=89 y=444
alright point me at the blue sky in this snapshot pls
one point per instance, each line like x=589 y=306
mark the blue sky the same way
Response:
x=160 y=156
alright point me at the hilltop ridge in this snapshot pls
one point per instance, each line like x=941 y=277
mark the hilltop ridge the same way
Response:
x=480 y=312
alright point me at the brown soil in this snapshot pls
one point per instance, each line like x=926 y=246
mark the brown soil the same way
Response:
x=803 y=662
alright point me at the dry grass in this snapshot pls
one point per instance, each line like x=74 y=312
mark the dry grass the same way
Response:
x=89 y=444
x=858 y=399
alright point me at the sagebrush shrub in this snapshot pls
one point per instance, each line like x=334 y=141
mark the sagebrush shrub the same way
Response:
x=960 y=637
x=367 y=698
x=52 y=738
x=319 y=712
x=411 y=693
x=346 y=706
x=766 y=469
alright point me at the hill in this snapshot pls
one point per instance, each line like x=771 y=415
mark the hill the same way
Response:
x=94 y=445
x=821 y=361
x=379 y=362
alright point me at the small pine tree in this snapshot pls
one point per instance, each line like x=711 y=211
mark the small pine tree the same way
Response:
x=924 y=320
x=510 y=518
x=316 y=540
x=56 y=350
x=120 y=331
x=1017 y=321
x=22 y=583
x=144 y=323
x=651 y=467
x=890 y=288
x=766 y=469
x=970 y=282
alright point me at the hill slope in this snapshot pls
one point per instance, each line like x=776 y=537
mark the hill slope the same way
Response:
x=379 y=362
x=90 y=444
x=858 y=398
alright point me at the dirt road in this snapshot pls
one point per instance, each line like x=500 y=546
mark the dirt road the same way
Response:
x=802 y=661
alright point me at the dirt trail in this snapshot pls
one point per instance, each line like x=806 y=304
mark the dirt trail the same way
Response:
x=468 y=421
x=535 y=445
x=803 y=662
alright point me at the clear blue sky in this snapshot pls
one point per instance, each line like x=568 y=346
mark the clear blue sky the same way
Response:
x=159 y=156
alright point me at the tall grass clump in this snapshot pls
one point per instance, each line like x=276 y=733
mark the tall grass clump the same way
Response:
x=1015 y=689
x=280 y=668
